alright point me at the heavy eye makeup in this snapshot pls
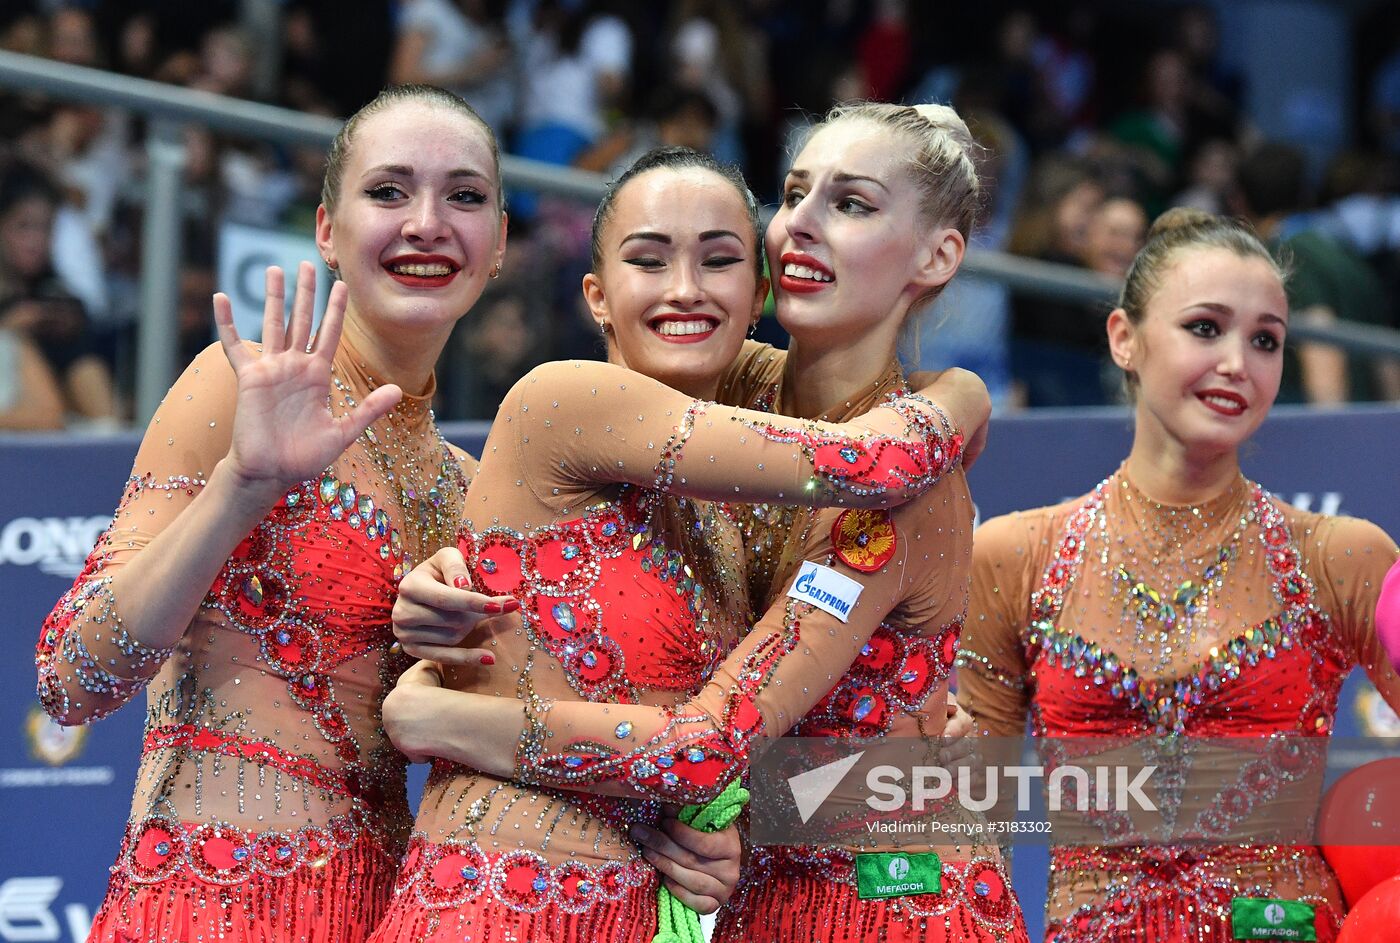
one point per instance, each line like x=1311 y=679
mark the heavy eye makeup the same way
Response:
x=385 y=192
x=1267 y=341
x=388 y=192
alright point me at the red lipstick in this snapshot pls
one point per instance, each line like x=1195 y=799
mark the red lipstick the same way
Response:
x=1224 y=402
x=420 y=279
x=802 y=286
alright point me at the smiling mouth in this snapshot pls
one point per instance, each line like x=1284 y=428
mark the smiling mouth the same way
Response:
x=793 y=270
x=1227 y=404
x=684 y=330
x=802 y=274
x=427 y=272
x=423 y=271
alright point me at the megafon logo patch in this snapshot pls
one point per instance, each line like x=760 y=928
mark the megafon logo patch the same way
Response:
x=56 y=545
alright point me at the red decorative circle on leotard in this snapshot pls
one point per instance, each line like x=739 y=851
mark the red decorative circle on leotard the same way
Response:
x=523 y=881
x=578 y=888
x=311 y=691
x=315 y=844
x=292 y=647
x=157 y=849
x=985 y=889
x=413 y=857
x=613 y=881
x=864 y=539
x=275 y=854
x=454 y=875
x=878 y=653
x=251 y=594
x=220 y=853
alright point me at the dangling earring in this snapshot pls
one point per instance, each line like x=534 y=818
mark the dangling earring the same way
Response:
x=496 y=271
x=753 y=327
x=603 y=326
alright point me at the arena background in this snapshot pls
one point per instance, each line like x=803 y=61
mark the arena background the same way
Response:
x=64 y=792
x=219 y=131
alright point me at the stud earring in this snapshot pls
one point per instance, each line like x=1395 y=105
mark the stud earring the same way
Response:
x=496 y=271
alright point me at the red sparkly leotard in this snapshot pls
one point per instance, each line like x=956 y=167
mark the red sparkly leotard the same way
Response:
x=1113 y=616
x=631 y=600
x=914 y=563
x=269 y=805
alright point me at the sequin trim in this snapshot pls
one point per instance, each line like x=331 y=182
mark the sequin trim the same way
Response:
x=446 y=875
x=156 y=848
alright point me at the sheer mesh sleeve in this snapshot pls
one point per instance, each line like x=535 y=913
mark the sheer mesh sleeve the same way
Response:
x=913 y=558
x=88 y=664
x=753 y=376
x=1351 y=558
x=602 y=423
x=992 y=672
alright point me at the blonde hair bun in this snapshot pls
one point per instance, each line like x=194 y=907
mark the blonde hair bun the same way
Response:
x=1180 y=217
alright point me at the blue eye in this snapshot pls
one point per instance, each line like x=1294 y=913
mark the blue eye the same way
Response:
x=474 y=197
x=384 y=192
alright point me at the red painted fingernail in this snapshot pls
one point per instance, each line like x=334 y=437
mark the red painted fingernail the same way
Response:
x=510 y=605
x=491 y=608
x=488 y=659
x=461 y=582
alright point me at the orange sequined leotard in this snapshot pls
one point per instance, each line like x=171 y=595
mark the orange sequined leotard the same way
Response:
x=269 y=804
x=1114 y=616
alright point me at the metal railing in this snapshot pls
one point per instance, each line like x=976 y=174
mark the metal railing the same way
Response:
x=170 y=107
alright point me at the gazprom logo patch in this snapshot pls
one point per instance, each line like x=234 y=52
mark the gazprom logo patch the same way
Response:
x=826 y=589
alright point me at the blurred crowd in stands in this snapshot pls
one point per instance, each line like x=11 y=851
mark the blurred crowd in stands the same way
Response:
x=1094 y=116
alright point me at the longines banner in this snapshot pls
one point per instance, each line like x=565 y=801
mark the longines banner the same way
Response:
x=64 y=792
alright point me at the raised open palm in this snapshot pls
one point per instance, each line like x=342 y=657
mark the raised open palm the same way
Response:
x=283 y=430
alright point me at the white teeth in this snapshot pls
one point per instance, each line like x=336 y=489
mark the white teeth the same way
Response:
x=682 y=328
x=437 y=268
x=1223 y=401
x=802 y=271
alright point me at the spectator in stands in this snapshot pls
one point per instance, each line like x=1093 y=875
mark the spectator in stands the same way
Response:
x=576 y=69
x=226 y=63
x=1217 y=91
x=29 y=396
x=1211 y=185
x=454 y=44
x=1116 y=232
x=1384 y=102
x=1330 y=283
x=1159 y=131
x=137 y=52
x=676 y=117
x=695 y=53
x=969 y=325
x=34 y=303
x=1057 y=346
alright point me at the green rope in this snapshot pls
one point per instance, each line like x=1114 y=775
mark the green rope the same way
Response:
x=675 y=922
